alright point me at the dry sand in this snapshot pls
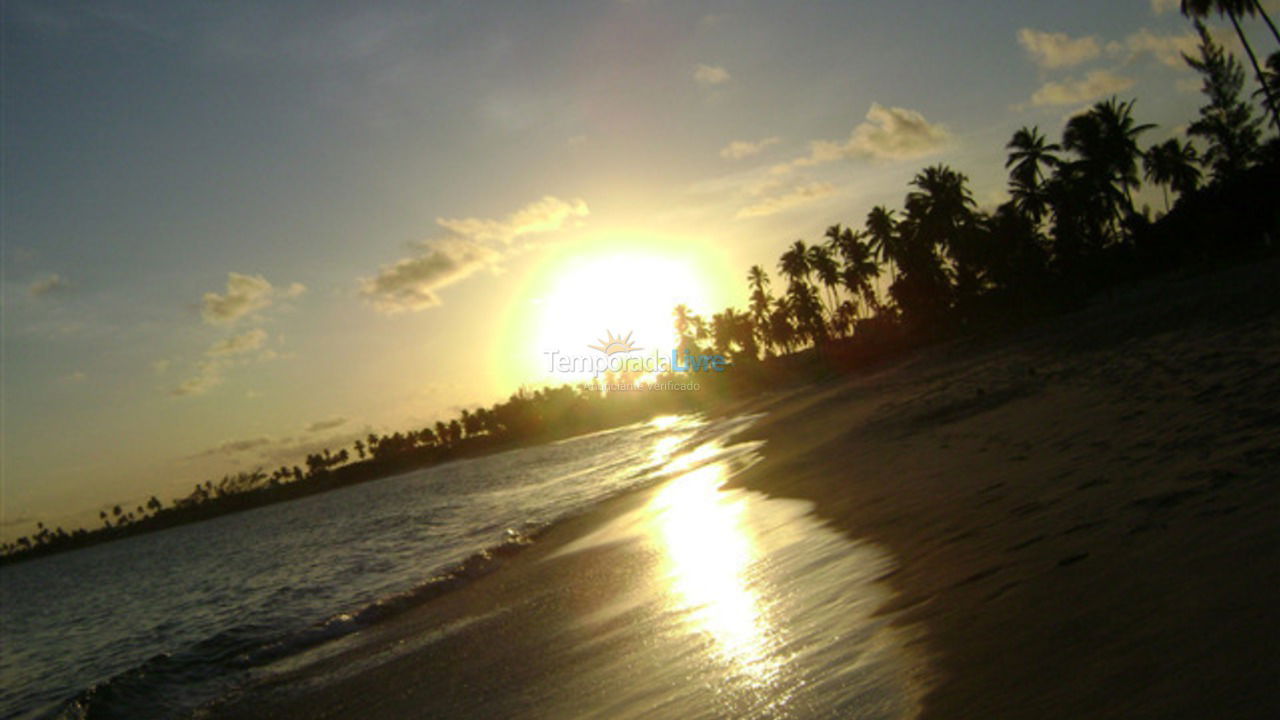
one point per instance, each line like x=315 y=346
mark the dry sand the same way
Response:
x=1084 y=516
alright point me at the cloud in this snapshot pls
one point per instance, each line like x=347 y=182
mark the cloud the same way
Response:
x=238 y=344
x=891 y=133
x=218 y=357
x=739 y=149
x=1167 y=49
x=1160 y=7
x=545 y=215
x=1070 y=92
x=245 y=294
x=233 y=447
x=413 y=283
x=329 y=424
x=208 y=375
x=47 y=285
x=75 y=377
x=1058 y=50
x=794 y=197
x=709 y=75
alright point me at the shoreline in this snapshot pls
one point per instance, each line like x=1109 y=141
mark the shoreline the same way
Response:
x=1084 y=514
x=1080 y=515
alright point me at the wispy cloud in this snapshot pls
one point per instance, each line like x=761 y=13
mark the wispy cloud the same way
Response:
x=1058 y=50
x=47 y=285
x=329 y=424
x=238 y=344
x=1166 y=49
x=1160 y=7
x=545 y=215
x=413 y=283
x=709 y=75
x=787 y=199
x=220 y=356
x=889 y=133
x=1071 y=91
x=739 y=149
x=234 y=447
x=208 y=375
x=244 y=294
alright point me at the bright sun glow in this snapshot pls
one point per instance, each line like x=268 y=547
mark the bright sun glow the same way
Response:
x=623 y=285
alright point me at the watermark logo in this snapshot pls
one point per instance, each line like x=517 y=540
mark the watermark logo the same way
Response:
x=611 y=345
x=617 y=354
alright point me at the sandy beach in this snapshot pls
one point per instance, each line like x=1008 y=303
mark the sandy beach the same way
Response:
x=1085 y=513
x=1079 y=518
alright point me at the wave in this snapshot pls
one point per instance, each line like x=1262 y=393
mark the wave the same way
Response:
x=179 y=684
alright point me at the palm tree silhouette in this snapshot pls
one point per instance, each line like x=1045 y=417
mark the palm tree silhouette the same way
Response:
x=794 y=263
x=1105 y=141
x=758 y=279
x=1029 y=162
x=1172 y=164
x=828 y=272
x=882 y=229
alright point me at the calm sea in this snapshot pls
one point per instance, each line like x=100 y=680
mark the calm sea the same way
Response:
x=159 y=625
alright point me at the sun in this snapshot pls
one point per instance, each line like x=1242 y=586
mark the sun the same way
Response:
x=613 y=295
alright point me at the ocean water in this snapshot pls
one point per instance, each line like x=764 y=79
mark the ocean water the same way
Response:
x=713 y=602
x=158 y=625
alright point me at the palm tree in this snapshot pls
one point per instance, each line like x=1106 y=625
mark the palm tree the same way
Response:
x=1105 y=139
x=1272 y=74
x=1234 y=9
x=860 y=268
x=794 y=263
x=1172 y=164
x=882 y=229
x=758 y=279
x=684 y=328
x=1029 y=159
x=807 y=311
x=828 y=272
x=782 y=333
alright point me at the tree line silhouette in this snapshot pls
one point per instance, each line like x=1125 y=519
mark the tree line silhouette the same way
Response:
x=939 y=267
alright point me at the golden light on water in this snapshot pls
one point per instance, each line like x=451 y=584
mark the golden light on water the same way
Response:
x=709 y=555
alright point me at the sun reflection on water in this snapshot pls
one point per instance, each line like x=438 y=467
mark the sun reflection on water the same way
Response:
x=709 y=555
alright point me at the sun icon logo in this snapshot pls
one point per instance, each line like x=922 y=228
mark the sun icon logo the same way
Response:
x=612 y=345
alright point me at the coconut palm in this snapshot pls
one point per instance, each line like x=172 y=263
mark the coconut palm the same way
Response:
x=684 y=329
x=1105 y=141
x=1172 y=164
x=782 y=333
x=1030 y=161
x=758 y=279
x=1234 y=10
x=827 y=271
x=807 y=311
x=860 y=268
x=794 y=263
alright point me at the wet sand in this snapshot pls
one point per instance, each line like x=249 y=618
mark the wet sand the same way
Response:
x=1078 y=520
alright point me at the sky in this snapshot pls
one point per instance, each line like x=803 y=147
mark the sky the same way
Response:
x=235 y=233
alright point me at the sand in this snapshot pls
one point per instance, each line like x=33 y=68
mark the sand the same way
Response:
x=1083 y=518
x=1086 y=513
